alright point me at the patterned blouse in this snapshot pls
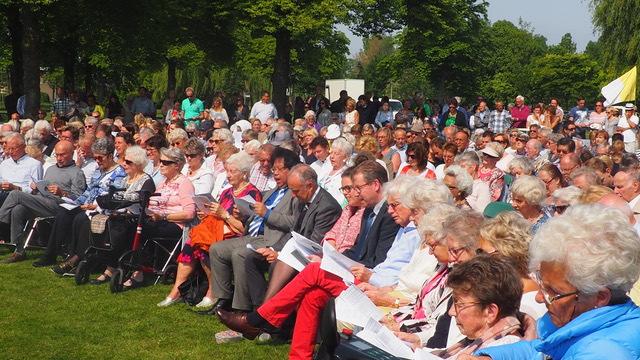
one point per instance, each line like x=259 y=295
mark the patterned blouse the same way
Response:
x=345 y=231
x=494 y=178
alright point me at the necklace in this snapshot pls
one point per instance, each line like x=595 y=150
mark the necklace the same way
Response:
x=240 y=188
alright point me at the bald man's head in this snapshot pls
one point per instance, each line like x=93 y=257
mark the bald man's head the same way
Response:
x=614 y=201
x=64 y=153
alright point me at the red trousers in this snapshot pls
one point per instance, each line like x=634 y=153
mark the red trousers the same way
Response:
x=309 y=292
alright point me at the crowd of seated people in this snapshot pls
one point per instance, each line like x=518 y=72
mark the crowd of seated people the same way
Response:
x=473 y=235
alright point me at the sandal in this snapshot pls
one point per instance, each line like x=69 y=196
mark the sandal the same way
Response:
x=131 y=284
x=98 y=281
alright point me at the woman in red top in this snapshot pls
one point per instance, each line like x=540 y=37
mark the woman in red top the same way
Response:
x=418 y=161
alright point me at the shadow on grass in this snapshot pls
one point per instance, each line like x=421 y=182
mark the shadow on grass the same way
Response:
x=48 y=317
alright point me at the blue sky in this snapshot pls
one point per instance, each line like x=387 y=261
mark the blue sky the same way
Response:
x=550 y=18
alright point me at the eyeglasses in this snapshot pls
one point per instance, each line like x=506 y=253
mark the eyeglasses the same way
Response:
x=545 y=295
x=461 y=306
x=244 y=141
x=277 y=170
x=561 y=208
x=455 y=253
x=167 y=162
x=100 y=157
x=128 y=162
x=358 y=188
x=346 y=189
x=191 y=156
x=215 y=141
x=88 y=126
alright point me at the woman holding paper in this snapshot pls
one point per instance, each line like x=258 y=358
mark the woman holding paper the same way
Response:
x=219 y=221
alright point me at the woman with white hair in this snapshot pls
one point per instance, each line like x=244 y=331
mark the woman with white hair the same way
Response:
x=460 y=184
x=527 y=196
x=480 y=196
x=177 y=138
x=26 y=125
x=220 y=220
x=214 y=143
x=341 y=152
x=562 y=198
x=201 y=177
x=585 y=262
x=520 y=166
x=310 y=120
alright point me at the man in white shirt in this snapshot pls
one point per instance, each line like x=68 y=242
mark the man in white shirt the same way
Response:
x=627 y=125
x=322 y=166
x=264 y=109
x=400 y=146
x=626 y=184
x=18 y=170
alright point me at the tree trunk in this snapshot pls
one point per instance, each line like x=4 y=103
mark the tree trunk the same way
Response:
x=14 y=25
x=171 y=76
x=31 y=60
x=281 y=69
x=69 y=67
x=88 y=73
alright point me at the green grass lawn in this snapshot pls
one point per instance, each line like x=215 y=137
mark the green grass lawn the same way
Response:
x=47 y=317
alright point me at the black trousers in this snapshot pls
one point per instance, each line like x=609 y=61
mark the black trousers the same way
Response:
x=59 y=239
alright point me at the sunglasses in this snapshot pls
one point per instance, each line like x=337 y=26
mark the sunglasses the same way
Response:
x=167 y=162
x=191 y=156
x=128 y=162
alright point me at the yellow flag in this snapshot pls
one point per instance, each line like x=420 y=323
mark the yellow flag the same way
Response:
x=622 y=89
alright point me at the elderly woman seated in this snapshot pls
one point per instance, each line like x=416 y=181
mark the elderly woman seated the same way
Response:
x=221 y=220
x=583 y=283
x=480 y=196
x=486 y=296
x=341 y=151
x=172 y=209
x=201 y=177
x=120 y=232
x=527 y=196
x=562 y=198
x=460 y=183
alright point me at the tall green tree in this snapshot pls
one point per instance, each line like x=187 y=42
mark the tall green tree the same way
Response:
x=565 y=77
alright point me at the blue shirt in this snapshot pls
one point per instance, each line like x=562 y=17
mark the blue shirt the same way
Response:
x=21 y=173
x=407 y=241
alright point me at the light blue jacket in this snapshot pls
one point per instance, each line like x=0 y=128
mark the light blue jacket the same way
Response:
x=610 y=332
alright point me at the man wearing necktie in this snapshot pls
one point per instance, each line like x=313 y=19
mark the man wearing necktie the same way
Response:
x=320 y=211
x=272 y=222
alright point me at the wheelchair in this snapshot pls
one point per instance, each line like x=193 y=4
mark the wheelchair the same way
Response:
x=155 y=256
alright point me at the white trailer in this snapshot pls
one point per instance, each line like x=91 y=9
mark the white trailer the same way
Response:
x=354 y=87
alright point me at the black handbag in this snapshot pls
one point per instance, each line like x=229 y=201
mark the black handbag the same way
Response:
x=194 y=288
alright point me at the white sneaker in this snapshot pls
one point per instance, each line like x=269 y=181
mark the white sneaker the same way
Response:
x=169 y=301
x=205 y=303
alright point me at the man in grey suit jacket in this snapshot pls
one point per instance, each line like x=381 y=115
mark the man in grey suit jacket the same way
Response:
x=320 y=213
x=272 y=223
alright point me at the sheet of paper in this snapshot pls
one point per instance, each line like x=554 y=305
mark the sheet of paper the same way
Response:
x=244 y=207
x=67 y=200
x=286 y=255
x=69 y=206
x=425 y=354
x=305 y=246
x=354 y=307
x=202 y=201
x=248 y=199
x=336 y=263
x=378 y=335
